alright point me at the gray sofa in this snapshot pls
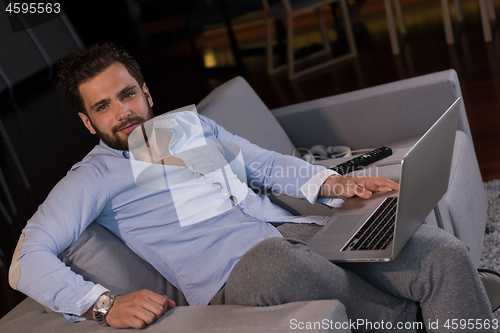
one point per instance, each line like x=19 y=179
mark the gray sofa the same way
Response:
x=395 y=115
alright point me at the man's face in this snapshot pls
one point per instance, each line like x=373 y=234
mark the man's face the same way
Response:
x=115 y=105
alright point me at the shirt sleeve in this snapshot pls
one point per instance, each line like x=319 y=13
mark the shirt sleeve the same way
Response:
x=265 y=169
x=87 y=302
x=71 y=206
x=311 y=189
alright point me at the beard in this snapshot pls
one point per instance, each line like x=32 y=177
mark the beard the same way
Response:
x=117 y=141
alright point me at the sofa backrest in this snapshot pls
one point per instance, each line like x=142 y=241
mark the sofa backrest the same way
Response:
x=235 y=106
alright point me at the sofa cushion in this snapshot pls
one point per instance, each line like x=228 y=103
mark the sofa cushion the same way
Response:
x=31 y=317
x=235 y=106
x=101 y=257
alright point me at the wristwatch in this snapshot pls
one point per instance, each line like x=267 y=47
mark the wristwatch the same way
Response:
x=102 y=306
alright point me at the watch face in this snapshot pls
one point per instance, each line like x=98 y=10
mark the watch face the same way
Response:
x=103 y=302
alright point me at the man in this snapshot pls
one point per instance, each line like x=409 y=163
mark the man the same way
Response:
x=197 y=222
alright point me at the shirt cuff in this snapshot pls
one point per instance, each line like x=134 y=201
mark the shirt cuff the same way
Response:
x=87 y=302
x=331 y=202
x=74 y=319
x=310 y=189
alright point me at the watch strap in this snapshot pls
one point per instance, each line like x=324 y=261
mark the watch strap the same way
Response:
x=100 y=314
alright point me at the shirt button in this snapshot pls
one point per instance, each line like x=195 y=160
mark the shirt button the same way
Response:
x=235 y=200
x=191 y=168
x=56 y=308
x=218 y=184
x=126 y=154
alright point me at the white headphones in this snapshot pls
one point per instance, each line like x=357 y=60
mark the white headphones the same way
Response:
x=322 y=152
x=330 y=151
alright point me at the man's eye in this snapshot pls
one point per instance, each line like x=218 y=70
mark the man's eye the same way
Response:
x=128 y=95
x=101 y=107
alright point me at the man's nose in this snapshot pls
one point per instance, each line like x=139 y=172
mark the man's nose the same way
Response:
x=123 y=111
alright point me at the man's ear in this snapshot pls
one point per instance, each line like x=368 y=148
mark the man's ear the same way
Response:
x=147 y=94
x=86 y=122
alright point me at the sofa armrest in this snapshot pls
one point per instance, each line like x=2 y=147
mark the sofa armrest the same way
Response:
x=29 y=316
x=373 y=116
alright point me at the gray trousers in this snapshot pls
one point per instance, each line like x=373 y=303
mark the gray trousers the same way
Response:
x=433 y=272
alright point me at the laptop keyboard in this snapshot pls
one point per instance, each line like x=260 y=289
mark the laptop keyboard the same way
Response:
x=377 y=232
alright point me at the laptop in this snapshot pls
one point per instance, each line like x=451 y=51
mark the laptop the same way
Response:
x=376 y=229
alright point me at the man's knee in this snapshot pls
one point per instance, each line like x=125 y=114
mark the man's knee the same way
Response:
x=452 y=250
x=433 y=241
x=446 y=254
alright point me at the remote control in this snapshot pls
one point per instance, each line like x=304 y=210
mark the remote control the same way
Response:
x=360 y=161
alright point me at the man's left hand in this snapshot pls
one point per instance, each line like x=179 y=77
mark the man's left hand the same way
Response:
x=344 y=188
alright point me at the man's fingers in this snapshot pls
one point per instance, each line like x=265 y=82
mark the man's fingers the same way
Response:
x=132 y=322
x=170 y=304
x=384 y=184
x=138 y=309
x=158 y=305
x=361 y=186
x=147 y=316
x=157 y=298
x=389 y=185
x=376 y=184
x=385 y=189
x=166 y=303
x=363 y=193
x=353 y=188
x=156 y=309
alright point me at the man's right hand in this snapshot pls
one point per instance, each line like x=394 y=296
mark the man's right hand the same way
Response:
x=137 y=309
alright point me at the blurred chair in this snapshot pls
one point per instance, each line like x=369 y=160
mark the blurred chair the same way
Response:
x=395 y=37
x=448 y=27
x=287 y=10
x=488 y=18
x=160 y=16
x=396 y=11
x=202 y=13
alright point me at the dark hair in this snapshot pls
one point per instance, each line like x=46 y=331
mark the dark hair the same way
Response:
x=82 y=65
